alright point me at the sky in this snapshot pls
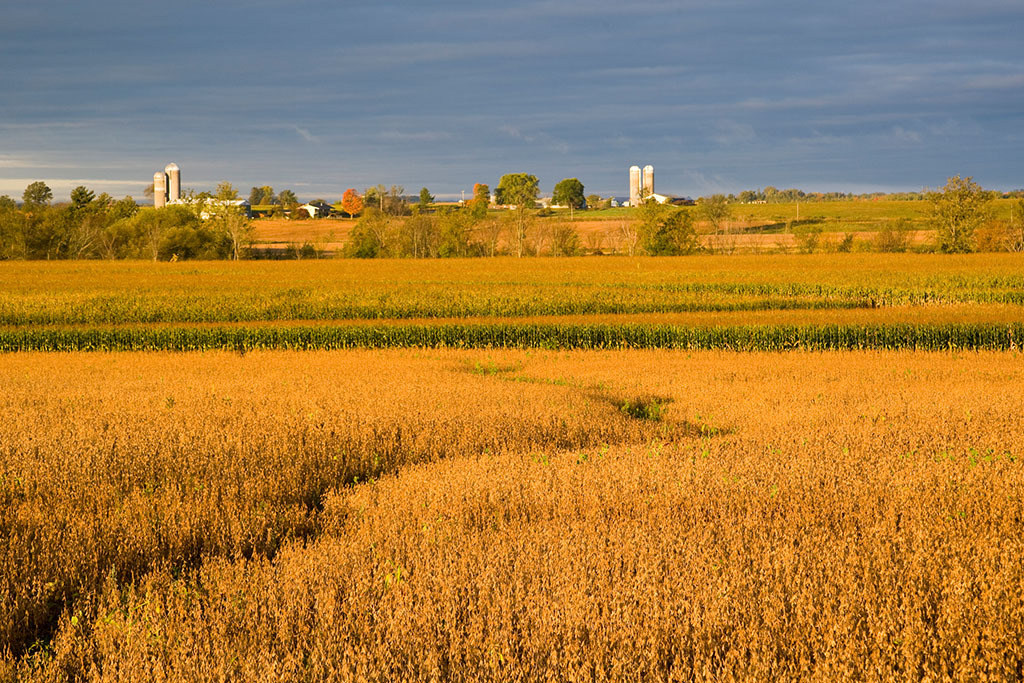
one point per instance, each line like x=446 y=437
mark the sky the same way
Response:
x=318 y=96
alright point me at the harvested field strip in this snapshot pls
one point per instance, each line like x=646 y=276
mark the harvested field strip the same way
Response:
x=523 y=335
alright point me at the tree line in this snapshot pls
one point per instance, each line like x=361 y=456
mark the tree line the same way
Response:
x=211 y=226
x=91 y=226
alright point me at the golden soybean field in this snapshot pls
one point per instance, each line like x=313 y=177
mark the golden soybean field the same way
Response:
x=464 y=514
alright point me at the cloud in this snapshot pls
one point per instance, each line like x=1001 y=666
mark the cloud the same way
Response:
x=421 y=136
x=901 y=135
x=733 y=133
x=539 y=139
x=304 y=133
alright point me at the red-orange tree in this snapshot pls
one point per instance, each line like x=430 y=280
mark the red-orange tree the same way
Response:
x=351 y=202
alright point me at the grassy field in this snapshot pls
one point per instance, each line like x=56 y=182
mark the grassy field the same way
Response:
x=511 y=515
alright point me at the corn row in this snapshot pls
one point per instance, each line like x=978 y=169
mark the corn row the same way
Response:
x=996 y=336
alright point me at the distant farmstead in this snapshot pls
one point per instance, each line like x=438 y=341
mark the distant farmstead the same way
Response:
x=317 y=209
x=167 y=186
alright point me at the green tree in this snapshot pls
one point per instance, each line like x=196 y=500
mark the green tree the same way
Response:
x=453 y=229
x=959 y=209
x=426 y=199
x=1016 y=226
x=235 y=227
x=593 y=201
x=519 y=190
x=81 y=196
x=665 y=230
x=714 y=210
x=225 y=192
x=375 y=195
x=417 y=236
x=569 y=192
x=370 y=236
x=37 y=194
x=288 y=199
x=12 y=229
x=47 y=231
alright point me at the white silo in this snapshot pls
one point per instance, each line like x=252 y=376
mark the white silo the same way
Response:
x=634 y=185
x=648 y=183
x=159 y=189
x=174 y=182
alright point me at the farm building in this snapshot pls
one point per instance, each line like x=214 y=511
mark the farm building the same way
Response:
x=316 y=209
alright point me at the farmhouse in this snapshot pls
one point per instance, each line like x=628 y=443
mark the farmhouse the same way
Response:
x=316 y=208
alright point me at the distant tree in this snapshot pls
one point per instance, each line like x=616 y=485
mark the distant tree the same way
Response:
x=481 y=200
x=143 y=234
x=593 y=201
x=959 y=209
x=565 y=241
x=665 y=230
x=370 y=236
x=351 y=202
x=375 y=195
x=236 y=228
x=394 y=201
x=426 y=199
x=569 y=192
x=893 y=237
x=714 y=210
x=123 y=208
x=81 y=196
x=12 y=229
x=225 y=192
x=520 y=190
x=288 y=199
x=1016 y=226
x=481 y=192
x=256 y=196
x=417 y=236
x=453 y=231
x=37 y=194
x=628 y=235
x=808 y=237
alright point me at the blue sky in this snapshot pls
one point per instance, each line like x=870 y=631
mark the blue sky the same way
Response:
x=319 y=96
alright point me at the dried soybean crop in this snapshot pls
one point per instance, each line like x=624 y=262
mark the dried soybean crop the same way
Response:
x=512 y=515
